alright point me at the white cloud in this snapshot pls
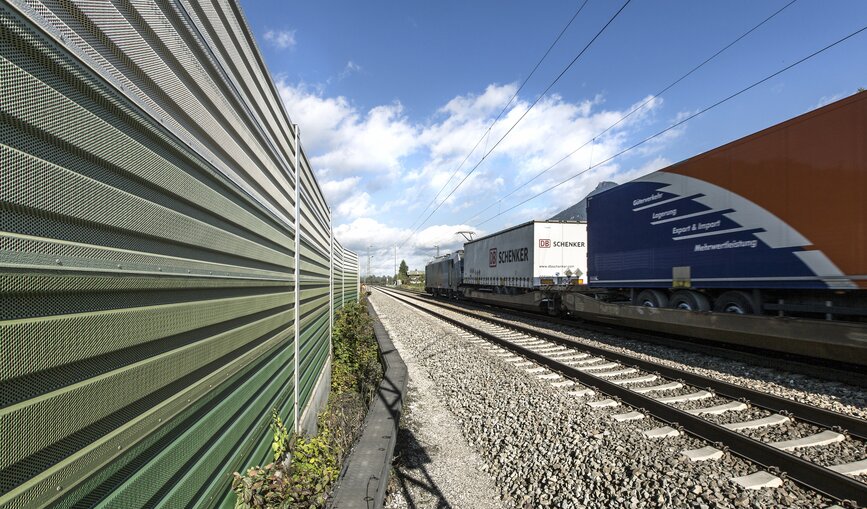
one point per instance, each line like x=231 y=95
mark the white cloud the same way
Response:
x=374 y=142
x=379 y=168
x=402 y=202
x=650 y=166
x=828 y=99
x=345 y=141
x=363 y=231
x=336 y=190
x=320 y=118
x=463 y=121
x=282 y=39
x=551 y=131
x=365 y=234
x=445 y=236
x=576 y=189
x=356 y=205
x=350 y=68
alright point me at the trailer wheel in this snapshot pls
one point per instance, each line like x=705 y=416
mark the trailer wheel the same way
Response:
x=689 y=300
x=652 y=299
x=734 y=302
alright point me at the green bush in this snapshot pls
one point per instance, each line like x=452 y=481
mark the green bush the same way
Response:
x=305 y=468
x=356 y=366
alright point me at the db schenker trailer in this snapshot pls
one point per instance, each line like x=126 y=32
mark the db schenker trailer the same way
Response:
x=773 y=222
x=528 y=256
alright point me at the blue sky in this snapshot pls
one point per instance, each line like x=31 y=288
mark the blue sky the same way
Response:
x=392 y=96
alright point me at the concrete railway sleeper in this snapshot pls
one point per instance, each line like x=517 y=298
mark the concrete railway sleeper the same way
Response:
x=729 y=417
x=809 y=413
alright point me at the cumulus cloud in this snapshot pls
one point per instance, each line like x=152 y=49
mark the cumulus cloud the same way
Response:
x=282 y=39
x=373 y=142
x=365 y=234
x=345 y=141
x=356 y=205
x=555 y=141
x=379 y=168
x=336 y=191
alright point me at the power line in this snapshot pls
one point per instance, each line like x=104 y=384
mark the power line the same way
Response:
x=681 y=122
x=642 y=105
x=586 y=47
x=488 y=130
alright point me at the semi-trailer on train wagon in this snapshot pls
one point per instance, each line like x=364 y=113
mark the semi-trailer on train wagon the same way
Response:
x=528 y=256
x=773 y=222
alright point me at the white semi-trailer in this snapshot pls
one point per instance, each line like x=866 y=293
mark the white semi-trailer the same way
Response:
x=530 y=255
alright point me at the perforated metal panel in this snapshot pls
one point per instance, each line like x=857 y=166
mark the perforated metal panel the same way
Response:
x=337 y=256
x=147 y=261
x=351 y=281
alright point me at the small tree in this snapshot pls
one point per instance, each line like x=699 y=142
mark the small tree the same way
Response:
x=402 y=272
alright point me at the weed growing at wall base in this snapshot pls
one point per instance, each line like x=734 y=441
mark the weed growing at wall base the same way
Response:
x=305 y=468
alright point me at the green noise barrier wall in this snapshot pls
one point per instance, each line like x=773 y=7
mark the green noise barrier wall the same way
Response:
x=163 y=242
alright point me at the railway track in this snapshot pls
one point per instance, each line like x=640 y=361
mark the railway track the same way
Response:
x=852 y=374
x=730 y=417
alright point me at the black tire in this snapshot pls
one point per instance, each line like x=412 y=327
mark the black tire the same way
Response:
x=652 y=299
x=689 y=300
x=736 y=302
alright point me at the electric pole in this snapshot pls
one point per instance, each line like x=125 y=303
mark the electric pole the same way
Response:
x=368 y=263
x=438 y=250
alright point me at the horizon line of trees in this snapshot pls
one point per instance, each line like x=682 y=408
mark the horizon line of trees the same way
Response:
x=402 y=276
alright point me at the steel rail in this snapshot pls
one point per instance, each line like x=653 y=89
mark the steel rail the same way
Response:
x=814 y=415
x=852 y=374
x=833 y=484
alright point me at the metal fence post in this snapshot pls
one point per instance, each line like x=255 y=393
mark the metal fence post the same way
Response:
x=330 y=282
x=297 y=276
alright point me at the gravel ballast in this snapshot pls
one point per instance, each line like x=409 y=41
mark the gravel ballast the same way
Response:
x=834 y=396
x=545 y=448
x=434 y=466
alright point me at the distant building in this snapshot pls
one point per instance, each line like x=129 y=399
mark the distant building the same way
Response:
x=415 y=276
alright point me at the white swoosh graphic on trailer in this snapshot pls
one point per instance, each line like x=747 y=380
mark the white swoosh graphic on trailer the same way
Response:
x=777 y=233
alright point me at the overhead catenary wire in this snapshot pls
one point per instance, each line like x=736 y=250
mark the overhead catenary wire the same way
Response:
x=536 y=101
x=681 y=122
x=631 y=112
x=487 y=132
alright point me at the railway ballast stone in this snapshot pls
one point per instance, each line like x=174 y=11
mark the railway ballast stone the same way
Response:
x=545 y=448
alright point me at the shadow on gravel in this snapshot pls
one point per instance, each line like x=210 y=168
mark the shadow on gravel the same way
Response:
x=419 y=490
x=390 y=394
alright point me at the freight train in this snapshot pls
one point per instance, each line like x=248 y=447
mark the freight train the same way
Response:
x=774 y=223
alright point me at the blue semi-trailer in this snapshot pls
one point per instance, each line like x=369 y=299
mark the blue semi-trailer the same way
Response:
x=776 y=221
